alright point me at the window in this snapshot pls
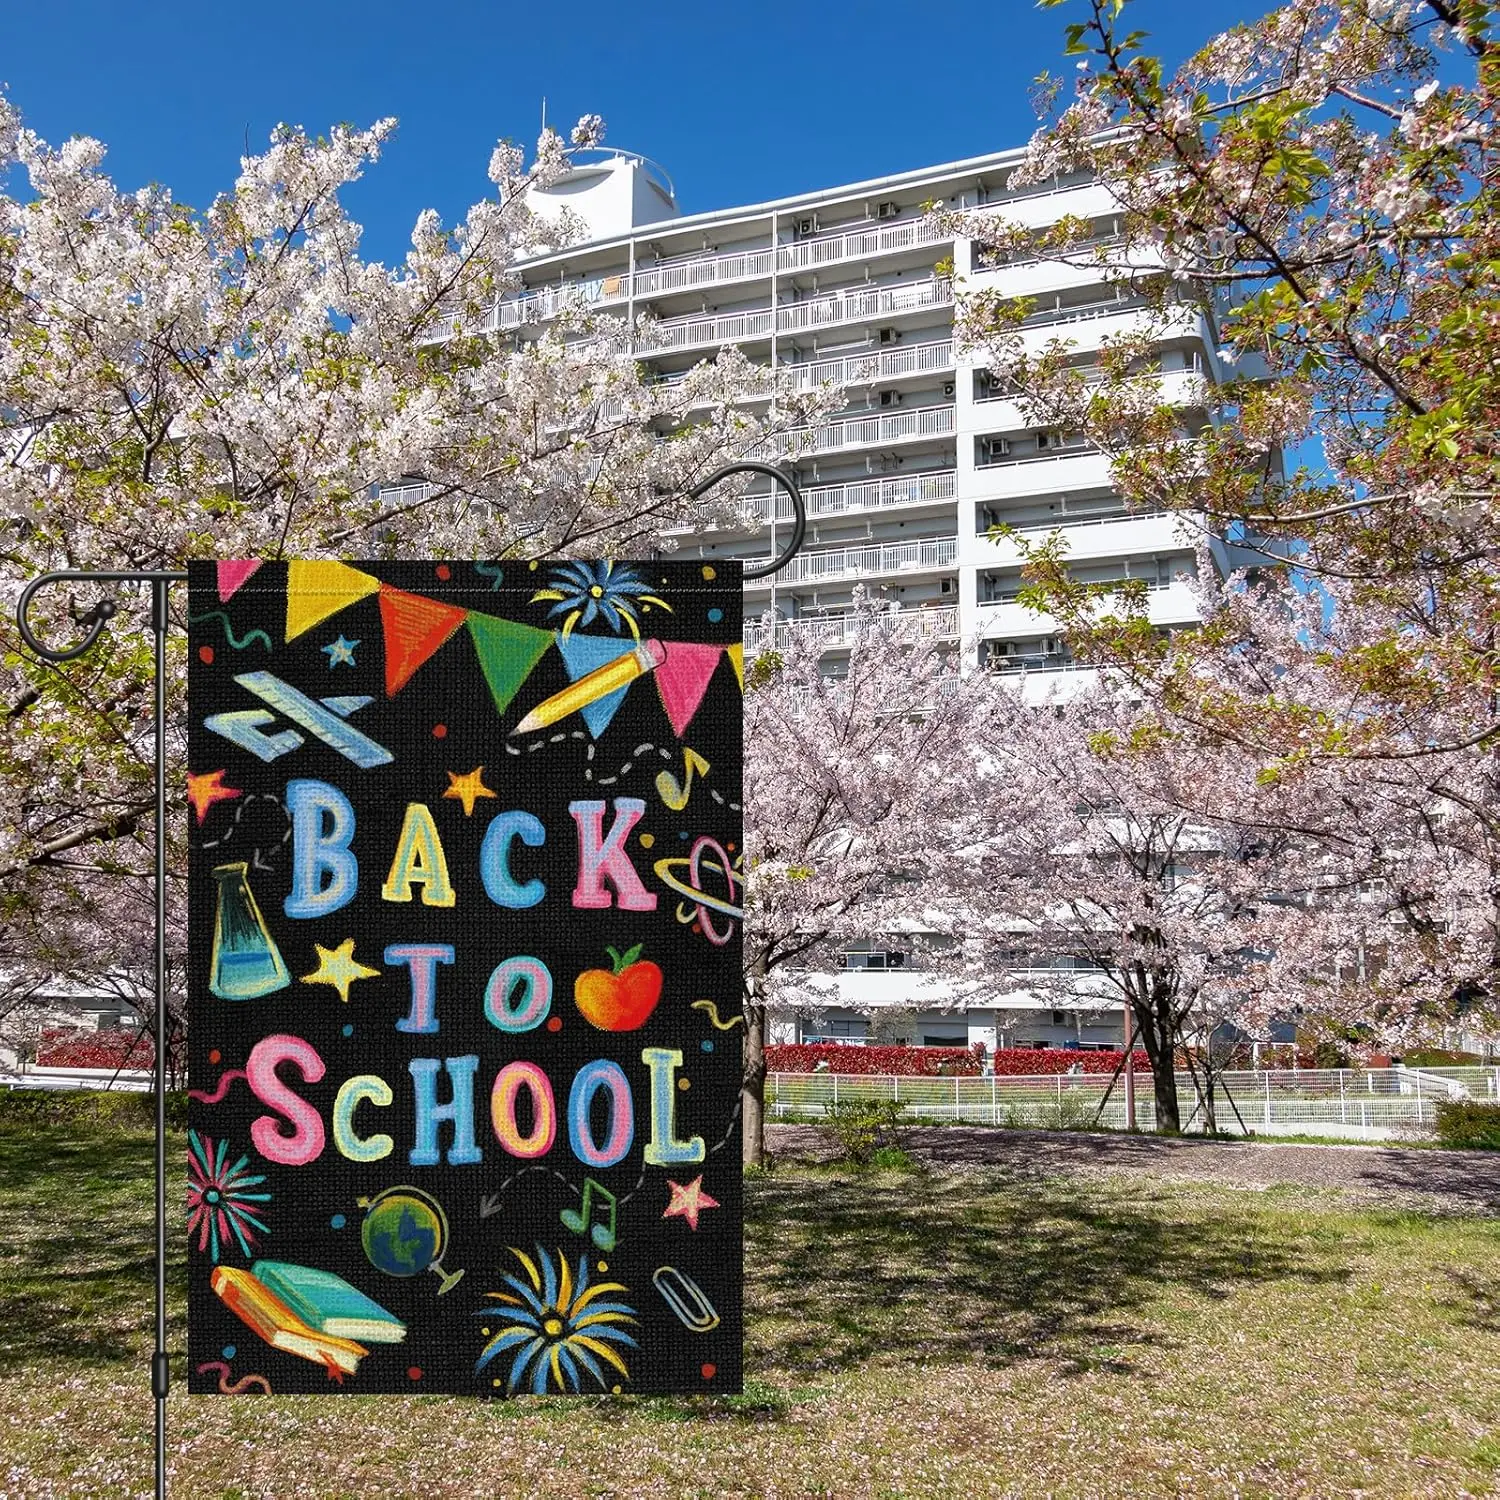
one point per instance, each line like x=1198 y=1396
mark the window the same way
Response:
x=876 y=959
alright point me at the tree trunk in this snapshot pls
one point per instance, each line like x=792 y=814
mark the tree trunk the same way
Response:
x=1157 y=1033
x=753 y=1084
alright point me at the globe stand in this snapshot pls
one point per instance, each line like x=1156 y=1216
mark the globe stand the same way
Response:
x=449 y=1279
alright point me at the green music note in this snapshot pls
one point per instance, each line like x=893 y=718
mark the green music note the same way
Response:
x=603 y=1235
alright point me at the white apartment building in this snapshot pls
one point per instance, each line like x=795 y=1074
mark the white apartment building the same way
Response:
x=904 y=484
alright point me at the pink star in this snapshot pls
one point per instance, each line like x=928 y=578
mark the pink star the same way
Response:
x=689 y=1201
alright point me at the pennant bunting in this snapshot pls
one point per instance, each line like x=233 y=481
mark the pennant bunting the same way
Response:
x=736 y=655
x=318 y=588
x=232 y=574
x=508 y=652
x=583 y=654
x=682 y=680
x=414 y=629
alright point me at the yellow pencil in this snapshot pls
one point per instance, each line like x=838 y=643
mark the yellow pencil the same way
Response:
x=600 y=683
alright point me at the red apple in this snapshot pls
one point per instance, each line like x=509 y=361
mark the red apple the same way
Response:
x=618 y=999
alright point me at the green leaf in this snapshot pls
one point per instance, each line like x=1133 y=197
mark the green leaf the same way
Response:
x=629 y=957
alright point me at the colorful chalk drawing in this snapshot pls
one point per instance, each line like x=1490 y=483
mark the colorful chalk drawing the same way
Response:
x=553 y=1328
x=220 y=1198
x=464 y=909
x=405 y=1232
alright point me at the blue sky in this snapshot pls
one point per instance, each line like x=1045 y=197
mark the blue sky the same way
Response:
x=738 y=103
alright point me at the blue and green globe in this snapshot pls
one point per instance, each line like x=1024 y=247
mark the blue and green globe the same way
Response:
x=405 y=1233
x=402 y=1235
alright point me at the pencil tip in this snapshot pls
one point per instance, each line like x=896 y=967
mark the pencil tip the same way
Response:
x=525 y=726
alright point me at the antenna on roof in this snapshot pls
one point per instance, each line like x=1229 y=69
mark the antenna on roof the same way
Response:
x=544 y=114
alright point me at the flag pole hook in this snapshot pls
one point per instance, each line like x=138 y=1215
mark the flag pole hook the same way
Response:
x=799 y=509
x=94 y=620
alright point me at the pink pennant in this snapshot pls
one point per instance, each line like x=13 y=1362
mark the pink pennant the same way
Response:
x=232 y=574
x=682 y=679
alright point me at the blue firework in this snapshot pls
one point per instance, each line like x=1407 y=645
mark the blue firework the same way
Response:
x=607 y=590
x=553 y=1327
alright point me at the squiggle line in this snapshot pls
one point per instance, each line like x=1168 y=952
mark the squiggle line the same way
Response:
x=240 y=1386
x=713 y=1015
x=237 y=644
x=225 y=1079
x=635 y=755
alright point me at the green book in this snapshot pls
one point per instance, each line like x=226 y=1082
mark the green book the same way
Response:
x=328 y=1303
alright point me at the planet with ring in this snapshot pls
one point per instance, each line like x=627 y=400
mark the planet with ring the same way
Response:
x=695 y=865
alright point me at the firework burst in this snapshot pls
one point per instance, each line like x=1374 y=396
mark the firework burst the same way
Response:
x=218 y=1195
x=606 y=589
x=553 y=1328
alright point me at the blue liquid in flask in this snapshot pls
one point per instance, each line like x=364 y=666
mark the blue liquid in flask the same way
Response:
x=246 y=962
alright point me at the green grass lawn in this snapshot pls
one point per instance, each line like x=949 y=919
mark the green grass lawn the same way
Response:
x=908 y=1335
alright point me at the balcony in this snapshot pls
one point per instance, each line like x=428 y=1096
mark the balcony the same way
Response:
x=865 y=369
x=691 y=271
x=859 y=495
x=1053 y=471
x=862 y=432
x=1004 y=619
x=834 y=631
x=875 y=560
x=858 y=244
x=725 y=328
x=1096 y=536
x=859 y=304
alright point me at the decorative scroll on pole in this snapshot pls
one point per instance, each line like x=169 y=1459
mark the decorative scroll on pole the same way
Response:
x=94 y=621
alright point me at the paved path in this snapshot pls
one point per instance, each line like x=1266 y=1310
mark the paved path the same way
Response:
x=1445 y=1181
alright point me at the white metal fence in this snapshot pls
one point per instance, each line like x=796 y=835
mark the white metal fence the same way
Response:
x=1369 y=1104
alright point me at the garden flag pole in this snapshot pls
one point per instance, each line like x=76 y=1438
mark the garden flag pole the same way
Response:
x=94 y=619
x=414 y=630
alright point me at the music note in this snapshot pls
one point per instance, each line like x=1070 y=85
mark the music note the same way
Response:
x=675 y=796
x=603 y=1235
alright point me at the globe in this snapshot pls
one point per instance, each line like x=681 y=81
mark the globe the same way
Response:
x=405 y=1233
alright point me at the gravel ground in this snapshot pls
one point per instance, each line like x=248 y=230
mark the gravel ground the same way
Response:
x=1466 y=1182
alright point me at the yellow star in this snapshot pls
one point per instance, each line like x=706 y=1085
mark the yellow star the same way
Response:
x=468 y=788
x=689 y=1201
x=339 y=967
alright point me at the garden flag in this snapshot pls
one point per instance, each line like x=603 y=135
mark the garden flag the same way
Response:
x=465 y=904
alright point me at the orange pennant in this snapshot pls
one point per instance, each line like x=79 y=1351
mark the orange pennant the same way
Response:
x=414 y=629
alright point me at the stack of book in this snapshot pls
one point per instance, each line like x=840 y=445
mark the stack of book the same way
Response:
x=310 y=1313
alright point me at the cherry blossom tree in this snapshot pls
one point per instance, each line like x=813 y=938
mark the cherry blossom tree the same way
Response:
x=851 y=792
x=239 y=381
x=1314 y=193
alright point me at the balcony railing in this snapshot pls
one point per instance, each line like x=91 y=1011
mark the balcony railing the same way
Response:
x=725 y=328
x=1032 y=661
x=1041 y=455
x=1082 y=311
x=860 y=369
x=1012 y=595
x=860 y=432
x=940 y=623
x=857 y=304
x=858 y=244
x=861 y=494
x=702 y=270
x=870 y=561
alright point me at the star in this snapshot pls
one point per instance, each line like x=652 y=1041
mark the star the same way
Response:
x=204 y=790
x=339 y=967
x=340 y=651
x=468 y=788
x=689 y=1201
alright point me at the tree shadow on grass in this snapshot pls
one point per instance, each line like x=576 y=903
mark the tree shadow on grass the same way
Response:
x=77 y=1257
x=962 y=1267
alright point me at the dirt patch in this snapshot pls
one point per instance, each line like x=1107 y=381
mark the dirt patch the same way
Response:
x=1466 y=1182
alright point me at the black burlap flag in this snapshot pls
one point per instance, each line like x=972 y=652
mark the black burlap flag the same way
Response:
x=464 y=1036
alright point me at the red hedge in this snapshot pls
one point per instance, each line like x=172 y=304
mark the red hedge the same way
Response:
x=904 y=1062
x=907 y=1062
x=95 y=1049
x=1025 y=1061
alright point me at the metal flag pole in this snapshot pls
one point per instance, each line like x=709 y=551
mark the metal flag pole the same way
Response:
x=95 y=620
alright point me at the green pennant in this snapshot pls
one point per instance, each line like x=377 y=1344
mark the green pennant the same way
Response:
x=508 y=652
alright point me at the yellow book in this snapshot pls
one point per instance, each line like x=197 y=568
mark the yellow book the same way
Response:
x=257 y=1306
